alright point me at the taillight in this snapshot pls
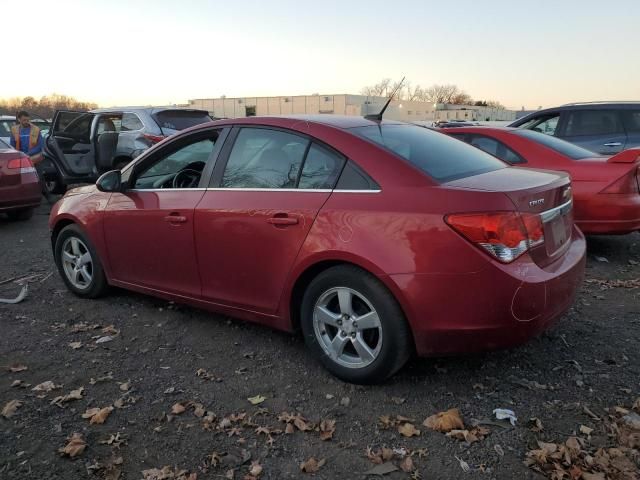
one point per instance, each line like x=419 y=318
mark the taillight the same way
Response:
x=154 y=138
x=628 y=183
x=504 y=235
x=23 y=164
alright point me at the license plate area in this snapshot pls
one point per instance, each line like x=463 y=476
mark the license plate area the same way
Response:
x=557 y=223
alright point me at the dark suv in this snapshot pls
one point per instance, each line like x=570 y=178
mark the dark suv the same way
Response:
x=83 y=145
x=602 y=127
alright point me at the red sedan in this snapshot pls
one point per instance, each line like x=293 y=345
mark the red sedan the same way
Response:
x=20 y=190
x=377 y=239
x=606 y=190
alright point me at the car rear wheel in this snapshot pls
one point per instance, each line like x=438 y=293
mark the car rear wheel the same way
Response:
x=78 y=263
x=22 y=214
x=52 y=185
x=355 y=326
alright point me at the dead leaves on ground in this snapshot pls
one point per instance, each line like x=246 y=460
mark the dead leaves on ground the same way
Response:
x=445 y=421
x=97 y=416
x=46 y=387
x=10 y=408
x=389 y=460
x=168 y=473
x=74 y=447
x=312 y=465
x=72 y=395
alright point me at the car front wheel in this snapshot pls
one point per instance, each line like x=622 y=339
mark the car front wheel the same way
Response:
x=354 y=325
x=78 y=263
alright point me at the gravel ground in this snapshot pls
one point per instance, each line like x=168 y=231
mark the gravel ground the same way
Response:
x=164 y=357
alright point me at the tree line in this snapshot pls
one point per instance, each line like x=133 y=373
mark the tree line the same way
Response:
x=45 y=106
x=433 y=94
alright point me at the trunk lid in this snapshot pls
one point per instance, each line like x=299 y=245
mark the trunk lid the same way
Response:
x=540 y=192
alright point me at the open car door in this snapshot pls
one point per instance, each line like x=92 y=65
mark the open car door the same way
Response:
x=70 y=142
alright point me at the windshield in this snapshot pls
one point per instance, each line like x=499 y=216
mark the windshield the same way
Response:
x=560 y=146
x=180 y=119
x=439 y=156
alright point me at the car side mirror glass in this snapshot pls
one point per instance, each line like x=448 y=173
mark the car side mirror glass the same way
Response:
x=110 y=181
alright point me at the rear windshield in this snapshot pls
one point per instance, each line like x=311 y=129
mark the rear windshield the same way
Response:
x=560 y=146
x=180 y=119
x=439 y=156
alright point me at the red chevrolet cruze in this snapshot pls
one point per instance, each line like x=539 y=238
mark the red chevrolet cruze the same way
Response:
x=377 y=238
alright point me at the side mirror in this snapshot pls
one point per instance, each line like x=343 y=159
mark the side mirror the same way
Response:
x=110 y=181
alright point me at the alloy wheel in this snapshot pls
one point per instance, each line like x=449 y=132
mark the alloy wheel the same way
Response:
x=77 y=263
x=347 y=327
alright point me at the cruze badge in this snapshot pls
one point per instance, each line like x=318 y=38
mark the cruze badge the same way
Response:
x=535 y=203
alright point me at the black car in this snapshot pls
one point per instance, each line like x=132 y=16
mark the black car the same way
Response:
x=602 y=127
x=83 y=145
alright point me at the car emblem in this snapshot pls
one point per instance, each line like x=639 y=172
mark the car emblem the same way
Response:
x=535 y=203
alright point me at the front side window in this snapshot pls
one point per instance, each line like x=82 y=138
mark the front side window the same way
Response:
x=439 y=156
x=263 y=158
x=181 y=168
x=76 y=124
x=546 y=124
x=496 y=148
x=130 y=121
x=593 y=122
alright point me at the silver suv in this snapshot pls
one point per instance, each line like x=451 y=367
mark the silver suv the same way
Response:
x=83 y=145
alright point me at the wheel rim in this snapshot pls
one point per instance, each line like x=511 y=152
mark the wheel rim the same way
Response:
x=347 y=327
x=77 y=263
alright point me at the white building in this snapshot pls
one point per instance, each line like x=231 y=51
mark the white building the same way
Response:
x=344 y=104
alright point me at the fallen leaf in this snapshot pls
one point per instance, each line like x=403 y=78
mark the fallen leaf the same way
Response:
x=382 y=469
x=408 y=430
x=289 y=428
x=105 y=339
x=74 y=447
x=10 y=408
x=312 y=465
x=445 y=421
x=17 y=367
x=469 y=436
x=258 y=399
x=20 y=383
x=406 y=465
x=586 y=430
x=72 y=395
x=75 y=345
x=256 y=469
x=535 y=425
x=636 y=405
x=178 y=408
x=97 y=415
x=46 y=386
x=301 y=424
x=125 y=386
x=327 y=429
x=110 y=330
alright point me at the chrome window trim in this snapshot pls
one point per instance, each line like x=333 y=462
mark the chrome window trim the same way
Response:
x=552 y=213
x=302 y=190
x=163 y=189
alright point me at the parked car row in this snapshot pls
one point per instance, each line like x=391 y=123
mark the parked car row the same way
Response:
x=19 y=184
x=377 y=239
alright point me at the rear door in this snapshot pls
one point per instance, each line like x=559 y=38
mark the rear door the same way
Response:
x=69 y=141
x=631 y=119
x=600 y=131
x=266 y=192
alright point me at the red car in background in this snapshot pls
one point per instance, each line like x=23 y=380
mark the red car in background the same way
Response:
x=20 y=190
x=378 y=239
x=606 y=190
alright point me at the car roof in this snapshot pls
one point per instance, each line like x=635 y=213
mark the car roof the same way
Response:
x=150 y=109
x=336 y=121
x=476 y=128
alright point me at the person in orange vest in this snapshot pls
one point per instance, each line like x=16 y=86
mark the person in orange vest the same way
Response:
x=26 y=137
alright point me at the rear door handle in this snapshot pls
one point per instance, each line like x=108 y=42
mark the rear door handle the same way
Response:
x=174 y=218
x=283 y=220
x=613 y=144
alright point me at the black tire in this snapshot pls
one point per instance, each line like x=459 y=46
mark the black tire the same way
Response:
x=53 y=185
x=396 y=340
x=98 y=285
x=20 y=215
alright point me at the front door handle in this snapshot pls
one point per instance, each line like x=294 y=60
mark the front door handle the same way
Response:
x=283 y=220
x=613 y=144
x=175 y=218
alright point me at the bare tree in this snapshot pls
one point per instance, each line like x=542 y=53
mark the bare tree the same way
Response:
x=45 y=106
x=380 y=89
x=446 y=94
x=495 y=104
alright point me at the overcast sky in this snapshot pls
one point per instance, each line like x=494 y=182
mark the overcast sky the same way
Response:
x=117 y=52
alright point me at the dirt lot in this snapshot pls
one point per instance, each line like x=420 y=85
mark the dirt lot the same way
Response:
x=162 y=354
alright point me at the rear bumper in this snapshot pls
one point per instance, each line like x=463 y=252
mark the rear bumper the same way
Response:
x=25 y=195
x=609 y=213
x=498 y=307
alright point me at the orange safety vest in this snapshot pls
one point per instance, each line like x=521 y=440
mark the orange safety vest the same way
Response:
x=33 y=135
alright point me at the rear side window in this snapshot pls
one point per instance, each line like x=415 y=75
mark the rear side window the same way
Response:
x=560 y=146
x=592 y=122
x=180 y=119
x=632 y=121
x=321 y=168
x=130 y=121
x=439 y=156
x=354 y=178
x=263 y=158
x=496 y=148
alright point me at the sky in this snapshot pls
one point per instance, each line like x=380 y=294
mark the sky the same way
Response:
x=141 y=52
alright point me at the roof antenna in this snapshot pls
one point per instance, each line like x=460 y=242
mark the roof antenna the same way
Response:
x=377 y=117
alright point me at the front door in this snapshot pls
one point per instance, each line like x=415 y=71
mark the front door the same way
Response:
x=252 y=223
x=149 y=227
x=70 y=142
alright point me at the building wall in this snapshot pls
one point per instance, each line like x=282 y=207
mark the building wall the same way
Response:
x=408 y=111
